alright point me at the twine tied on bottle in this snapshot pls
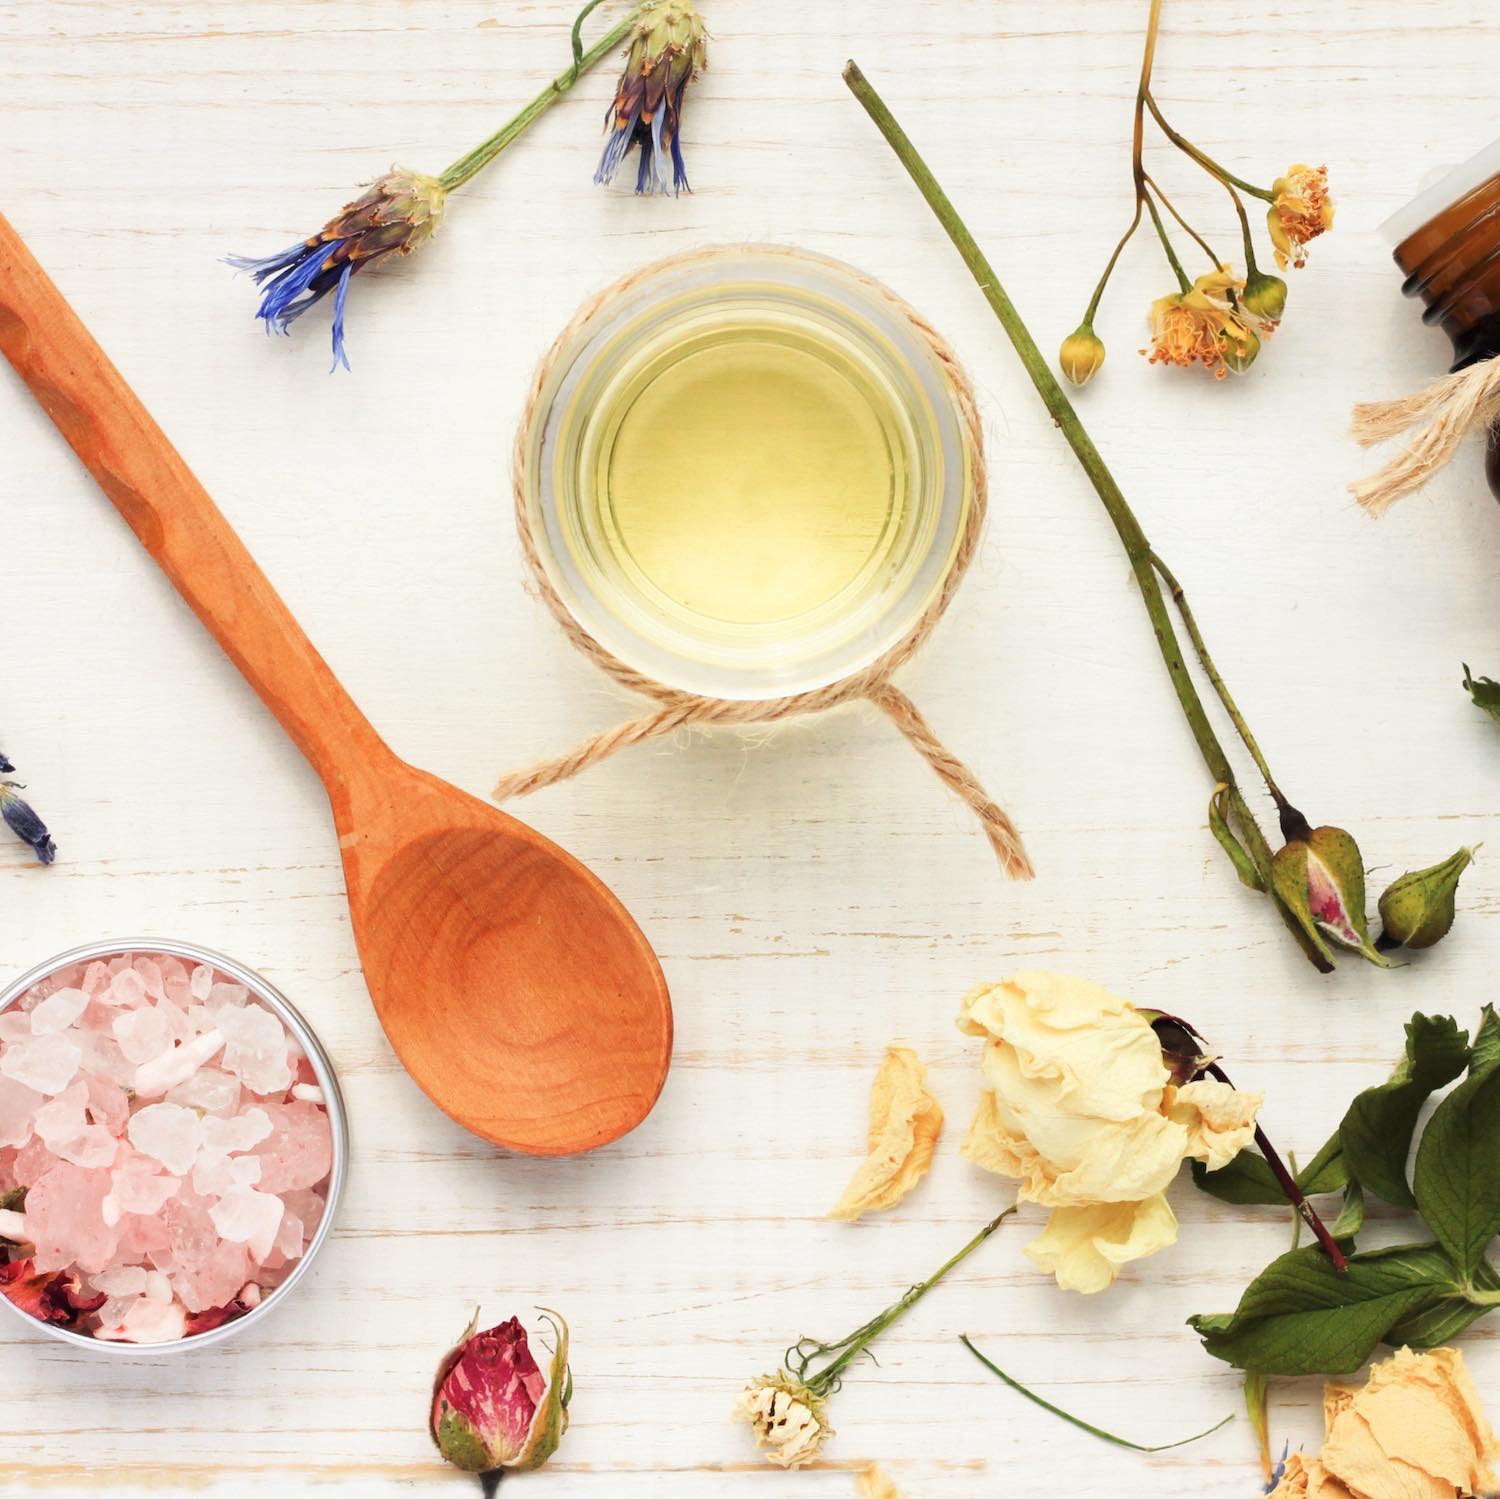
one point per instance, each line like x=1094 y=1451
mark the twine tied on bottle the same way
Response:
x=671 y=709
x=1442 y=415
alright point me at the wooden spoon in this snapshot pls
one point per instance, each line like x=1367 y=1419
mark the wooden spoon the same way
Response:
x=512 y=984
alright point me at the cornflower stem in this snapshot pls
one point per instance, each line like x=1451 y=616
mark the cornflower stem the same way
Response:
x=484 y=153
x=1143 y=560
x=1288 y=1184
x=1206 y=661
x=827 y=1379
x=1203 y=159
x=1192 y=233
x=578 y=21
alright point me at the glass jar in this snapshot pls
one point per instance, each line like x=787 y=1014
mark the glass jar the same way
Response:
x=746 y=473
x=1447 y=243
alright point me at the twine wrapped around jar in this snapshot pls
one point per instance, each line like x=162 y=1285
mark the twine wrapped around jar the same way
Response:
x=1442 y=415
x=672 y=709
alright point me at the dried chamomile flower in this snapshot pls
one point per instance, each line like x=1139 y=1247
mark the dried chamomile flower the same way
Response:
x=905 y=1121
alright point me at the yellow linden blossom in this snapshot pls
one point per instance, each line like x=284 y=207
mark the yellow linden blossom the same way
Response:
x=905 y=1121
x=787 y=1420
x=1080 y=1111
x=1206 y=326
x=1300 y=211
x=1415 y=1431
x=875 y=1483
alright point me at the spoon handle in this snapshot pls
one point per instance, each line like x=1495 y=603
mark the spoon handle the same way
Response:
x=172 y=514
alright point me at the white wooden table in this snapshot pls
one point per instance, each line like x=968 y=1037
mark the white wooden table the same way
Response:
x=813 y=894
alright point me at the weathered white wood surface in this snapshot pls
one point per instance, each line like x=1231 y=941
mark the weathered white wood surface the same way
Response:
x=813 y=894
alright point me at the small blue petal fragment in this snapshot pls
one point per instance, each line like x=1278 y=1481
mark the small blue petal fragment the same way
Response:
x=298 y=279
x=25 y=824
x=5 y=766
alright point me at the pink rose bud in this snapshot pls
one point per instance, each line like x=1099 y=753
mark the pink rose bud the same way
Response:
x=1319 y=877
x=492 y=1409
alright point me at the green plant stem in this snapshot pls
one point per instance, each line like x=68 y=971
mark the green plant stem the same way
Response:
x=578 y=21
x=1109 y=268
x=1200 y=648
x=828 y=1378
x=483 y=154
x=1072 y=1420
x=1137 y=549
x=1203 y=159
x=1166 y=243
x=1192 y=233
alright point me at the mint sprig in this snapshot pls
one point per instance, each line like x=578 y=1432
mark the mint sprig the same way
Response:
x=1299 y=1315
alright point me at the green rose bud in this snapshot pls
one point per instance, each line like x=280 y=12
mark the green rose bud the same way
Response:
x=1319 y=877
x=1082 y=355
x=1418 y=909
x=1264 y=297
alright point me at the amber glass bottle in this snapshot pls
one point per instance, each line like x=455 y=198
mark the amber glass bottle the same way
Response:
x=1447 y=243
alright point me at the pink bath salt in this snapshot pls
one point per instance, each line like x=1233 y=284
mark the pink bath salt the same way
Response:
x=299 y=1152
x=151 y=975
x=179 y=992
x=176 y=1017
x=46 y=1063
x=102 y=1057
x=210 y=1091
x=190 y=1231
x=290 y=1237
x=95 y=980
x=255 y=1048
x=58 y=1011
x=107 y=1103
x=213 y=1278
x=137 y=1187
x=14 y=1025
x=127 y=988
x=244 y=1132
x=226 y=994
x=307 y=1092
x=143 y=1321
x=245 y=1216
x=171 y=1133
x=144 y=1238
x=214 y=1175
x=123 y=1280
x=155 y=1077
x=33 y=1161
x=63 y=1126
x=65 y=1215
x=18 y=1106
x=201 y=982
x=13 y=1226
x=143 y=1034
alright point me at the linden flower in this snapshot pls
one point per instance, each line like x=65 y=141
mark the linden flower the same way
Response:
x=788 y=1420
x=905 y=1121
x=1080 y=1110
x=1416 y=1428
x=1206 y=326
x=1300 y=211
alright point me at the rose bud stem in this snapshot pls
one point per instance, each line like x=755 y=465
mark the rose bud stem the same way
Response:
x=1288 y=1184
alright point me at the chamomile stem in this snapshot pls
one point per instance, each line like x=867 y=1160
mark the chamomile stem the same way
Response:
x=1192 y=233
x=1203 y=159
x=483 y=154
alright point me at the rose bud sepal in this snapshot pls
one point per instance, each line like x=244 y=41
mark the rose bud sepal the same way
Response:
x=1319 y=878
x=492 y=1410
x=1418 y=909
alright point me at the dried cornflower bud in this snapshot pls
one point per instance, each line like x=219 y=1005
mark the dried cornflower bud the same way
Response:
x=1418 y=909
x=669 y=49
x=1264 y=297
x=1319 y=876
x=1300 y=211
x=6 y=768
x=397 y=214
x=491 y=1408
x=1082 y=354
x=25 y=824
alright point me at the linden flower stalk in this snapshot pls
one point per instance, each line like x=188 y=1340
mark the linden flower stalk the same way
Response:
x=397 y=214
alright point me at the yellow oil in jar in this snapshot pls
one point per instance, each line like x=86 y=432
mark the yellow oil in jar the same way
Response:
x=751 y=476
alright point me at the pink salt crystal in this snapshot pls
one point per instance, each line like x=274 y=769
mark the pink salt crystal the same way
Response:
x=226 y=994
x=144 y=1238
x=95 y=980
x=243 y=1132
x=214 y=1175
x=63 y=1127
x=18 y=1105
x=158 y=1287
x=179 y=993
x=127 y=987
x=250 y=1295
x=255 y=1047
x=289 y=1236
x=169 y=1132
x=212 y=1279
x=64 y=1214
x=151 y=975
x=153 y=1078
x=201 y=982
x=190 y=1231
x=13 y=1226
x=32 y=1162
x=245 y=1216
x=209 y=1091
x=119 y=963
x=14 y=1024
x=126 y=1280
x=146 y=1321
x=307 y=1092
x=143 y=1034
x=58 y=1011
x=46 y=1063
x=299 y=1152
x=107 y=1103
x=102 y=1057
x=136 y=1187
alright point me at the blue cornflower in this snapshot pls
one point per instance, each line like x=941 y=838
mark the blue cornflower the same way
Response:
x=398 y=213
x=25 y=824
x=667 y=52
x=1279 y=1471
x=5 y=766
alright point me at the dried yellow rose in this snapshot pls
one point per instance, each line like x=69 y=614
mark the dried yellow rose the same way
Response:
x=875 y=1483
x=1080 y=1112
x=789 y=1422
x=905 y=1121
x=1416 y=1430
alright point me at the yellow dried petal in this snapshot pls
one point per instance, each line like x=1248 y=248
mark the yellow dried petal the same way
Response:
x=1307 y=1478
x=1084 y=1247
x=1220 y=1120
x=905 y=1122
x=875 y=1483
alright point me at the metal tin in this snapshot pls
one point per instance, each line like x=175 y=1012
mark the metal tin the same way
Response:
x=333 y=1100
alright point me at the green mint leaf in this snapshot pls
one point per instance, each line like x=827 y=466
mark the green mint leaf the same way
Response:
x=1457 y=1174
x=1485 y=692
x=1247 y=1180
x=1300 y=1316
x=1377 y=1129
x=1441 y=1323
